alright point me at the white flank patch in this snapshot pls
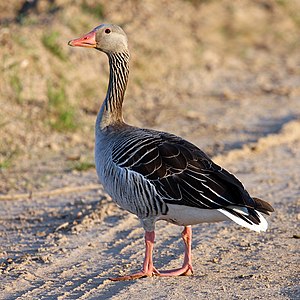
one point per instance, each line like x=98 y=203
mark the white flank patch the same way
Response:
x=186 y=215
x=262 y=226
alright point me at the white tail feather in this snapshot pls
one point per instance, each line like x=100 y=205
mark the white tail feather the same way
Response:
x=239 y=209
x=262 y=226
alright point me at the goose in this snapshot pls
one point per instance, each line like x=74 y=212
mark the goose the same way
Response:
x=157 y=175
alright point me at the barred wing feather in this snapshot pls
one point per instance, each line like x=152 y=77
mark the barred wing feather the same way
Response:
x=184 y=175
x=181 y=173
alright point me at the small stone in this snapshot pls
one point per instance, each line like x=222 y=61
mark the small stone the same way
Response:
x=73 y=157
x=45 y=259
x=29 y=276
x=40 y=234
x=62 y=226
x=24 y=63
x=54 y=146
x=42 y=249
x=79 y=215
x=246 y=276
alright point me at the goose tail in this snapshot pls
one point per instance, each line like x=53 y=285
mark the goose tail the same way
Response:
x=250 y=218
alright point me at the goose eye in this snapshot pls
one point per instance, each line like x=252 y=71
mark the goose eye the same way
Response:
x=107 y=30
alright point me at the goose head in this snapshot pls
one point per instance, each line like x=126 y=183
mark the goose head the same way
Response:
x=107 y=38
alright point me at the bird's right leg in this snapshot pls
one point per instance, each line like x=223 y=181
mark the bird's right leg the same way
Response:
x=148 y=267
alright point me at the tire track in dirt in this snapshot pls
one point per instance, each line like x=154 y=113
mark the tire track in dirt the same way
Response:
x=65 y=285
x=127 y=248
x=78 y=256
x=289 y=132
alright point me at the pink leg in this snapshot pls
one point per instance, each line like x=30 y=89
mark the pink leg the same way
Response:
x=186 y=268
x=148 y=268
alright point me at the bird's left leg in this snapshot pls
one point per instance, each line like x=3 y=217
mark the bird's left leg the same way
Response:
x=186 y=268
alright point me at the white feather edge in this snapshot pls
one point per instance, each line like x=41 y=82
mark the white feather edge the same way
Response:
x=262 y=226
x=239 y=209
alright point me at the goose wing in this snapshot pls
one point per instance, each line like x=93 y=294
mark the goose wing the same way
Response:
x=181 y=173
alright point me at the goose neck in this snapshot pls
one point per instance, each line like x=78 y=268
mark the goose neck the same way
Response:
x=111 y=110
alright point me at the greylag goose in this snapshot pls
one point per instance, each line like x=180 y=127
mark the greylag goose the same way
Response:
x=157 y=175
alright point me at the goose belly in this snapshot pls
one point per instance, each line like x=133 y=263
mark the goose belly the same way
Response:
x=185 y=215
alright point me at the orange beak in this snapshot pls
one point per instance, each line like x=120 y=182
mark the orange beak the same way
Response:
x=88 y=40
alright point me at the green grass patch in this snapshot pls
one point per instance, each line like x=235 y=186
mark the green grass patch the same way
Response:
x=62 y=115
x=50 y=42
x=56 y=95
x=198 y=2
x=82 y=165
x=5 y=164
x=64 y=121
x=7 y=158
x=95 y=9
x=17 y=87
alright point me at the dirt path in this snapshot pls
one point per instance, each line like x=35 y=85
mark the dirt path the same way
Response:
x=66 y=247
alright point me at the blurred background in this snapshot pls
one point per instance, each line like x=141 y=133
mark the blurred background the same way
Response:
x=220 y=73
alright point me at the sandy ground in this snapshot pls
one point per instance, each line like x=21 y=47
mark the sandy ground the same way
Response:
x=66 y=246
x=231 y=87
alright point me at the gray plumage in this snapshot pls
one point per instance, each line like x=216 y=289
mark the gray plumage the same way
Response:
x=157 y=175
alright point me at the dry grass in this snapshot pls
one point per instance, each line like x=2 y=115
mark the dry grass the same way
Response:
x=49 y=90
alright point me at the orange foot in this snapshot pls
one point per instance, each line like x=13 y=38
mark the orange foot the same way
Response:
x=138 y=275
x=186 y=270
